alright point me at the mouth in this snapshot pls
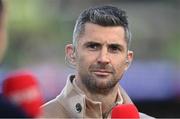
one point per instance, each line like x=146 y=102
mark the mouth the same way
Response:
x=101 y=72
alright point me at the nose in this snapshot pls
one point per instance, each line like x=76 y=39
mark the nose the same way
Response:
x=103 y=57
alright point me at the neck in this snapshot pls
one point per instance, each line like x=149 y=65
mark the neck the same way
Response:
x=107 y=99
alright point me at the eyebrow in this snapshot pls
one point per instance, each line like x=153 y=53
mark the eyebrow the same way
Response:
x=116 y=45
x=91 y=42
x=111 y=44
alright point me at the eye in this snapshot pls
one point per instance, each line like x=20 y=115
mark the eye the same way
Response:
x=93 y=46
x=114 y=48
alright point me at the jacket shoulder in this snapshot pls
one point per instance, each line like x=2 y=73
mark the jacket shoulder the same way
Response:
x=145 y=116
x=53 y=109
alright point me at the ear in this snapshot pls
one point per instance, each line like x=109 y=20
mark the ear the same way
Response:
x=70 y=54
x=129 y=59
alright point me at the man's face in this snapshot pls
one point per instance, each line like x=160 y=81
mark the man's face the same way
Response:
x=101 y=56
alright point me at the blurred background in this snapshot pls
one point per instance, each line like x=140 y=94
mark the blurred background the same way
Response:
x=38 y=31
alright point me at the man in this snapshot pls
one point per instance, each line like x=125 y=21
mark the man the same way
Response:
x=7 y=108
x=100 y=54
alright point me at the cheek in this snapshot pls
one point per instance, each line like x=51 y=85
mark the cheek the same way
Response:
x=85 y=61
x=119 y=68
x=81 y=62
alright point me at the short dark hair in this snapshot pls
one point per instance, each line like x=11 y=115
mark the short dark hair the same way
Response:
x=105 y=16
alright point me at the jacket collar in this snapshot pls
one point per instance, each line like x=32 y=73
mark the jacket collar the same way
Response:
x=78 y=105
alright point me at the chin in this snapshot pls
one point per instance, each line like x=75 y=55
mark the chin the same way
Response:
x=105 y=84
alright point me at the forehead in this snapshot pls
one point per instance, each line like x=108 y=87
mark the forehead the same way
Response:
x=103 y=34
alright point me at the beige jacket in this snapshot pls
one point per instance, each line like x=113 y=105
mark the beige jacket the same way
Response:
x=72 y=103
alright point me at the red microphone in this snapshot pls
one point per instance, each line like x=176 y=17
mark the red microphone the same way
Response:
x=125 y=111
x=22 y=88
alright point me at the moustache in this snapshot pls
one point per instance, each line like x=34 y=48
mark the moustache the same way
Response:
x=104 y=67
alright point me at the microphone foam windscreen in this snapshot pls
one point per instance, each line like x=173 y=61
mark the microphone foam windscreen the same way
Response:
x=22 y=88
x=125 y=111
